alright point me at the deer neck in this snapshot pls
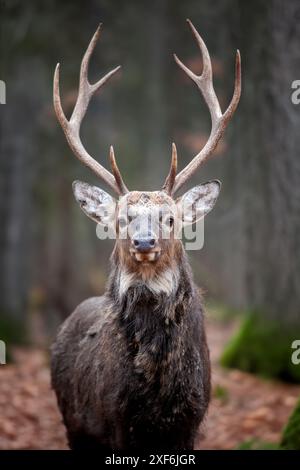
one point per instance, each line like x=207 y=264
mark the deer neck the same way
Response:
x=158 y=288
x=154 y=316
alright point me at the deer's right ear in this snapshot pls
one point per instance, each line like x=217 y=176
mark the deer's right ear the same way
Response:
x=95 y=203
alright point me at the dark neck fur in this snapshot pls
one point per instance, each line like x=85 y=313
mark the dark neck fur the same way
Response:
x=151 y=322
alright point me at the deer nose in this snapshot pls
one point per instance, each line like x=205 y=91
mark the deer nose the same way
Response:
x=143 y=244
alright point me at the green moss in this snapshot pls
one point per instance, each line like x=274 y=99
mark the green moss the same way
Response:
x=12 y=333
x=291 y=433
x=221 y=393
x=256 y=444
x=263 y=348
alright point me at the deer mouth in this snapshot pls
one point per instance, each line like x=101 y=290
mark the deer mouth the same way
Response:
x=148 y=257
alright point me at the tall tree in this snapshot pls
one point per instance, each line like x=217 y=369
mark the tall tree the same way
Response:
x=271 y=177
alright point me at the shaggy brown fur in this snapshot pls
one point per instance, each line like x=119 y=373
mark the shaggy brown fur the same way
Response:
x=133 y=372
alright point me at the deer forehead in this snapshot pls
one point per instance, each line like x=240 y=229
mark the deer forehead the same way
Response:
x=144 y=201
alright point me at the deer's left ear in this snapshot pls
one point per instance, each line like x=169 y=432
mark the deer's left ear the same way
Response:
x=198 y=201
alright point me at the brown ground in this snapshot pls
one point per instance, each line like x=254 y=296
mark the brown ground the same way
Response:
x=243 y=407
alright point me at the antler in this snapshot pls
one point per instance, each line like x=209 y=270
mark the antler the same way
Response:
x=169 y=182
x=219 y=121
x=71 y=128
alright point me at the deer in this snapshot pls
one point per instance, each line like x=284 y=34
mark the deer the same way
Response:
x=131 y=368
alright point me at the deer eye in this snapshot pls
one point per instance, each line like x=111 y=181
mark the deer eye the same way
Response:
x=170 y=221
x=122 y=222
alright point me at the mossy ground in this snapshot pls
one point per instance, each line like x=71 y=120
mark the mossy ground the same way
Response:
x=291 y=433
x=263 y=348
x=256 y=444
x=12 y=333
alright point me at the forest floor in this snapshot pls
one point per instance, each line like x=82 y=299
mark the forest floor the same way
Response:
x=244 y=408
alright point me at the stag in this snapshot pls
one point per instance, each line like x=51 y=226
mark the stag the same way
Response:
x=131 y=368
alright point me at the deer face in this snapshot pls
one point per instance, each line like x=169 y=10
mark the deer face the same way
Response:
x=146 y=224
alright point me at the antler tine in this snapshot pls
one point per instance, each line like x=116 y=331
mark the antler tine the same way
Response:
x=237 y=87
x=219 y=121
x=169 y=182
x=71 y=128
x=116 y=171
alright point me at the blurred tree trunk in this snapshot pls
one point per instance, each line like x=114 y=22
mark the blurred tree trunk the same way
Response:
x=271 y=181
x=15 y=206
x=274 y=164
